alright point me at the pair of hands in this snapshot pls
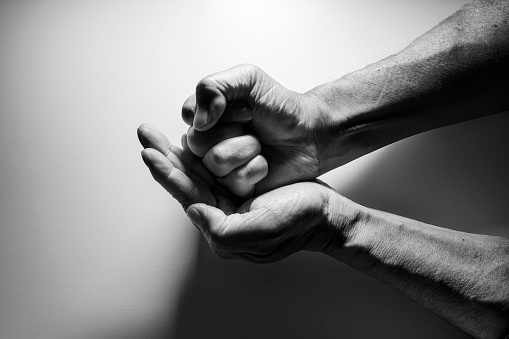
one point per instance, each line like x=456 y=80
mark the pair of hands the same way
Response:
x=250 y=138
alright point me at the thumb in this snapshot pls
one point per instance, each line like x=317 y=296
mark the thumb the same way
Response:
x=226 y=234
x=215 y=91
x=207 y=218
x=212 y=222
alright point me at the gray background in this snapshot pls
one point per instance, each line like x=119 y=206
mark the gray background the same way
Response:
x=91 y=247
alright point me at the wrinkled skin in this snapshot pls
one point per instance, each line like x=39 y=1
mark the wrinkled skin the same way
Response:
x=284 y=123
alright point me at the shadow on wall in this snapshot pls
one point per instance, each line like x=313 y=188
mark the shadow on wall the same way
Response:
x=304 y=296
x=453 y=177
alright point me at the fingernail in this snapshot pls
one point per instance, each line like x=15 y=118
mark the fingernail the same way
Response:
x=201 y=118
x=195 y=217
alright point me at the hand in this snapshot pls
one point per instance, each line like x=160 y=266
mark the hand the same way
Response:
x=243 y=122
x=263 y=229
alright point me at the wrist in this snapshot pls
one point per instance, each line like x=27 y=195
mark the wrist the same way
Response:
x=325 y=124
x=343 y=218
x=345 y=126
x=369 y=109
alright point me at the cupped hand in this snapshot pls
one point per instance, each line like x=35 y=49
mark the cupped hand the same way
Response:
x=250 y=130
x=266 y=228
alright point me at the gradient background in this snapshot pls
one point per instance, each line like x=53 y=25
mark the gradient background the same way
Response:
x=92 y=247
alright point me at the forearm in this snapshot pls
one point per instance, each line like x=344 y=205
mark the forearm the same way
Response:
x=462 y=277
x=457 y=71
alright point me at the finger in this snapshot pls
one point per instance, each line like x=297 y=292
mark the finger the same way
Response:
x=150 y=137
x=187 y=162
x=201 y=142
x=212 y=222
x=210 y=104
x=192 y=160
x=193 y=167
x=235 y=111
x=188 y=109
x=231 y=153
x=215 y=91
x=190 y=164
x=183 y=142
x=177 y=183
x=242 y=180
x=202 y=216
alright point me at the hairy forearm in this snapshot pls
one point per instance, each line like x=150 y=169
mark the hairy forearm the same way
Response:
x=455 y=72
x=462 y=277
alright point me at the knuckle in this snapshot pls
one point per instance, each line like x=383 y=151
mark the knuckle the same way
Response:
x=251 y=71
x=262 y=166
x=254 y=171
x=207 y=82
x=242 y=175
x=218 y=160
x=250 y=68
x=253 y=143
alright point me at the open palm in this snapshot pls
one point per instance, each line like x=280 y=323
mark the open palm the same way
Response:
x=265 y=228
